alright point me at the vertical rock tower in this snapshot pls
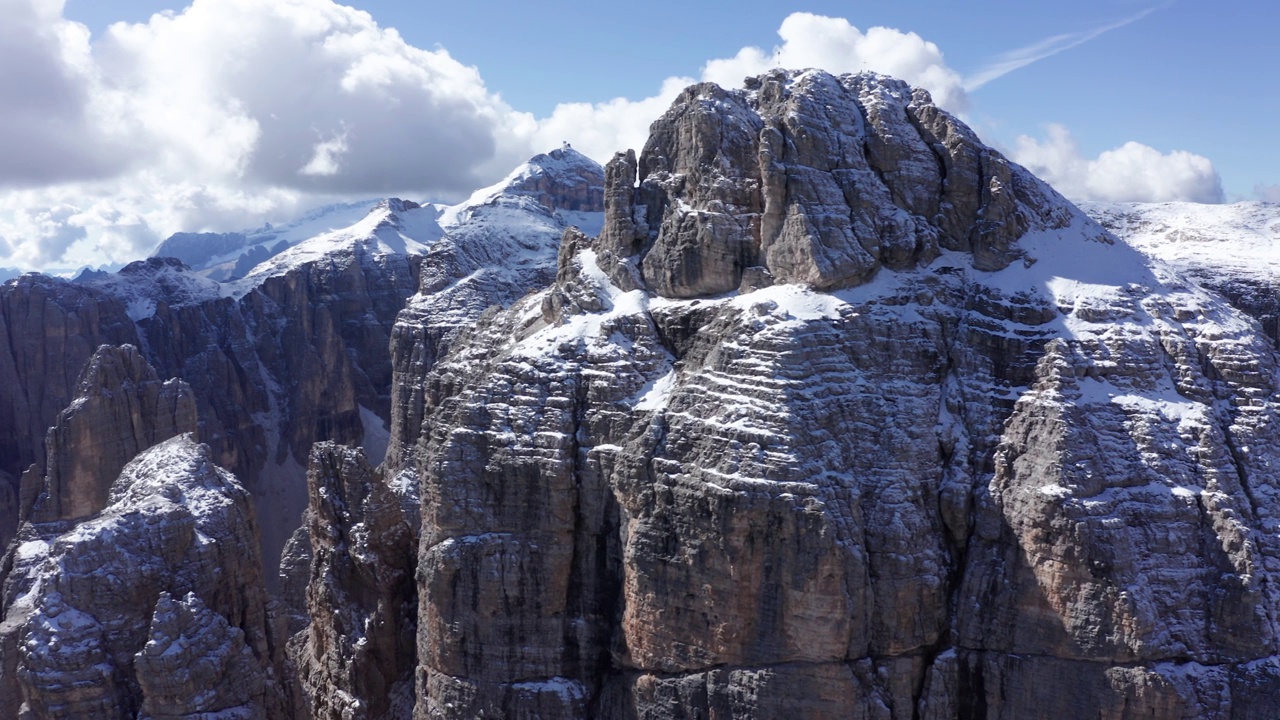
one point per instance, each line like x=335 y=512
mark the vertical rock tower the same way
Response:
x=844 y=415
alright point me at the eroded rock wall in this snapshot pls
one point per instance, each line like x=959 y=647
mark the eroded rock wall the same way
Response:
x=89 y=605
x=845 y=414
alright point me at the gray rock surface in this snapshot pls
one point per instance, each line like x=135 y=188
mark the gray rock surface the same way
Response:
x=88 y=604
x=966 y=457
x=357 y=654
x=820 y=180
x=833 y=412
x=299 y=357
x=50 y=329
x=196 y=665
x=121 y=408
x=500 y=244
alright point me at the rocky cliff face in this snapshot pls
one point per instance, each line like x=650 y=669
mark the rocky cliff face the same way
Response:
x=92 y=628
x=293 y=355
x=501 y=244
x=131 y=513
x=844 y=414
x=832 y=412
x=50 y=329
x=360 y=597
x=121 y=408
x=358 y=654
x=296 y=352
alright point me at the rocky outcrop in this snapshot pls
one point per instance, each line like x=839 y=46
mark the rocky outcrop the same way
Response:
x=356 y=658
x=121 y=408
x=499 y=245
x=821 y=186
x=196 y=664
x=50 y=328
x=966 y=456
x=297 y=352
x=299 y=357
x=89 y=609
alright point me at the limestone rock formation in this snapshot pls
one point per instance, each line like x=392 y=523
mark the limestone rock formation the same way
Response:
x=88 y=604
x=121 y=408
x=821 y=407
x=964 y=457
x=499 y=245
x=821 y=186
x=274 y=364
x=195 y=664
x=50 y=328
x=296 y=352
x=356 y=658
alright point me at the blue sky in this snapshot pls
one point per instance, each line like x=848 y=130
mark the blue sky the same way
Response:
x=122 y=127
x=1194 y=76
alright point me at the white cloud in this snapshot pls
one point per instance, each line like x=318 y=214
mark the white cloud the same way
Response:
x=1132 y=172
x=327 y=156
x=832 y=44
x=48 y=128
x=239 y=90
x=39 y=235
x=1267 y=193
x=599 y=130
x=233 y=112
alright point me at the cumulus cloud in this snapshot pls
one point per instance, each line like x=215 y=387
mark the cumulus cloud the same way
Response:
x=832 y=44
x=229 y=111
x=302 y=94
x=1132 y=172
x=808 y=41
x=233 y=112
x=53 y=229
x=48 y=129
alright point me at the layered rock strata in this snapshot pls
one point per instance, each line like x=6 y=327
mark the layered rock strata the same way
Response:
x=356 y=657
x=92 y=628
x=121 y=408
x=296 y=352
x=843 y=413
x=270 y=373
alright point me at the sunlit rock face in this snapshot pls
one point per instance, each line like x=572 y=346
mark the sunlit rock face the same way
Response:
x=844 y=414
x=824 y=408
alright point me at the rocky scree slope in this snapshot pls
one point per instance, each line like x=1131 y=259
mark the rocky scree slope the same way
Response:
x=844 y=415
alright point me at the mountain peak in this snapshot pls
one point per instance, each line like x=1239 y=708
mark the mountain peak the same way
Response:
x=561 y=180
x=817 y=179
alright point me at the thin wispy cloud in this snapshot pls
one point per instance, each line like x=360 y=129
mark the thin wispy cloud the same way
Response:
x=1006 y=63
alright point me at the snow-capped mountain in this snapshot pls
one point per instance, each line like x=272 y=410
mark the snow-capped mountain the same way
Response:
x=391 y=227
x=831 y=411
x=1206 y=241
x=1231 y=249
x=543 y=196
x=230 y=255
